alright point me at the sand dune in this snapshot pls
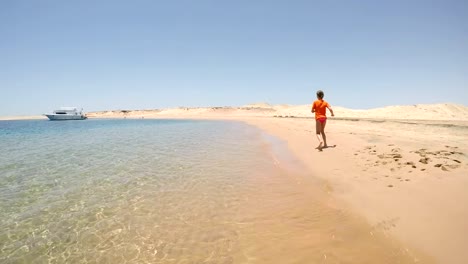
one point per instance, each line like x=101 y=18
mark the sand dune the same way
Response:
x=420 y=111
x=447 y=112
x=416 y=112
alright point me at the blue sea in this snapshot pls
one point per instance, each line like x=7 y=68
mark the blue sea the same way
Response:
x=164 y=191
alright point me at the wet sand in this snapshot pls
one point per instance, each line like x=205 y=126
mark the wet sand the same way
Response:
x=297 y=220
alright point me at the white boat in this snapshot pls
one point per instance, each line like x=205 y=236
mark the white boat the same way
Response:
x=67 y=113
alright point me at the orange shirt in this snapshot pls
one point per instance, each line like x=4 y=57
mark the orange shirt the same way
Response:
x=320 y=107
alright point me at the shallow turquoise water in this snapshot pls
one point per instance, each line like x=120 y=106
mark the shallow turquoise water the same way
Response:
x=124 y=190
x=168 y=191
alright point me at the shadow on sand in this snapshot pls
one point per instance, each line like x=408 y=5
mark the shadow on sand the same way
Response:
x=321 y=148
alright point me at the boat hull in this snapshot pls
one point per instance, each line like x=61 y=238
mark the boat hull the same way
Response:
x=65 y=117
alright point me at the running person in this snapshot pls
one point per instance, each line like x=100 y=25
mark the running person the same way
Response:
x=319 y=107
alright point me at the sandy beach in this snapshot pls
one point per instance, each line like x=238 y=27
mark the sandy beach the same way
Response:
x=404 y=169
x=408 y=179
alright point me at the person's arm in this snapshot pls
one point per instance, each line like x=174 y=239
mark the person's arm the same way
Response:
x=313 y=108
x=331 y=110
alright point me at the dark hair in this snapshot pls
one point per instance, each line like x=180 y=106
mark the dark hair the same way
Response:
x=320 y=94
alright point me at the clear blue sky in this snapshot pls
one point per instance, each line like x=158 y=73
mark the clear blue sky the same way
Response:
x=154 y=54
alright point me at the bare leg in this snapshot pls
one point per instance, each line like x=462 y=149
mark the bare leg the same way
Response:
x=324 y=137
x=318 y=129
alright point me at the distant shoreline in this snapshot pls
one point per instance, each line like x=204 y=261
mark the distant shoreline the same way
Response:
x=11 y=118
x=420 y=113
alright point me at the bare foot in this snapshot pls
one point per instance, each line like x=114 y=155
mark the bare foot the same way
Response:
x=319 y=147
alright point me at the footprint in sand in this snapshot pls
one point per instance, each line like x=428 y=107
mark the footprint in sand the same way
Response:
x=411 y=164
x=386 y=225
x=452 y=148
x=424 y=160
x=443 y=156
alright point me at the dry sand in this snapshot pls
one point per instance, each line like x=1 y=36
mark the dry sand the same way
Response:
x=404 y=168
